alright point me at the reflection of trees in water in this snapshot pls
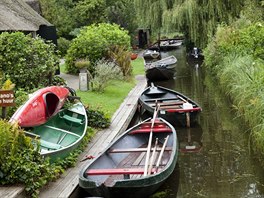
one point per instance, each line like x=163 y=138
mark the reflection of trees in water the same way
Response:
x=223 y=167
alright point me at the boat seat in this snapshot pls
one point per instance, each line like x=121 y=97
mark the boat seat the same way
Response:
x=72 y=119
x=154 y=130
x=50 y=145
x=130 y=150
x=118 y=171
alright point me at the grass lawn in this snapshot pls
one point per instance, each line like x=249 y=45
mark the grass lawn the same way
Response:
x=114 y=94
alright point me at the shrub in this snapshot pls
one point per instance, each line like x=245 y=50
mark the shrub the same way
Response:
x=93 y=43
x=63 y=46
x=97 y=118
x=20 y=162
x=122 y=57
x=26 y=61
x=104 y=72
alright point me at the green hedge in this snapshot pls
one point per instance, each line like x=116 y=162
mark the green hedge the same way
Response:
x=93 y=43
x=28 y=62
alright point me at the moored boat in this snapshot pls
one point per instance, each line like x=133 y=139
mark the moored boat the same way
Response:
x=195 y=55
x=42 y=105
x=170 y=44
x=163 y=69
x=173 y=106
x=149 y=54
x=129 y=167
x=62 y=133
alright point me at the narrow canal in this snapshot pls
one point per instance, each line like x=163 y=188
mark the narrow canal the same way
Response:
x=219 y=164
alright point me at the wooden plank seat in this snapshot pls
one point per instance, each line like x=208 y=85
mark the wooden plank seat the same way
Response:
x=158 y=99
x=171 y=107
x=129 y=150
x=167 y=103
x=118 y=171
x=154 y=130
x=184 y=110
x=72 y=119
x=49 y=145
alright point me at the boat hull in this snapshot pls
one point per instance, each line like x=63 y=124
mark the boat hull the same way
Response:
x=61 y=134
x=160 y=73
x=140 y=187
x=42 y=105
x=163 y=69
x=171 y=108
x=170 y=44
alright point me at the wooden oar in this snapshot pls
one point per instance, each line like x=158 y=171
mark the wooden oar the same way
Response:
x=153 y=156
x=181 y=98
x=150 y=140
x=188 y=119
x=161 y=153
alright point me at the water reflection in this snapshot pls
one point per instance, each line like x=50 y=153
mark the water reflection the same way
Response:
x=215 y=159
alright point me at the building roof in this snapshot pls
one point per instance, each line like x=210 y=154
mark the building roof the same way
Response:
x=17 y=15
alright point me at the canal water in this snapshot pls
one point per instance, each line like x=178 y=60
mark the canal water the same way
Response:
x=219 y=164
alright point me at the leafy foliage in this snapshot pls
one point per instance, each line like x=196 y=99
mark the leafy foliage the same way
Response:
x=97 y=118
x=123 y=13
x=20 y=162
x=198 y=20
x=60 y=14
x=87 y=12
x=236 y=58
x=63 y=45
x=93 y=43
x=121 y=56
x=104 y=72
x=27 y=62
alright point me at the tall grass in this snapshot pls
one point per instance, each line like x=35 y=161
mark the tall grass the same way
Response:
x=235 y=59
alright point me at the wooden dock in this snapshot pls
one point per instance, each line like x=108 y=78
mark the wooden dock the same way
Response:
x=68 y=182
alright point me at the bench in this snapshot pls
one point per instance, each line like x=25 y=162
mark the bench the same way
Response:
x=128 y=150
x=184 y=110
x=118 y=171
x=154 y=130
x=49 y=145
x=72 y=119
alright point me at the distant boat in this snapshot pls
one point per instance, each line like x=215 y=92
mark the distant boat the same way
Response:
x=62 y=133
x=170 y=44
x=42 y=105
x=163 y=69
x=195 y=55
x=121 y=170
x=173 y=106
x=153 y=52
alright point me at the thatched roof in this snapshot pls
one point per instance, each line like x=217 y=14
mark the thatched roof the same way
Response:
x=17 y=15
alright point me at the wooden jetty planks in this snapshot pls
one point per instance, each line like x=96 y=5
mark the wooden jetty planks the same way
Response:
x=11 y=191
x=120 y=121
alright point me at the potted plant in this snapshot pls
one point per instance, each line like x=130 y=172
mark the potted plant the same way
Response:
x=82 y=65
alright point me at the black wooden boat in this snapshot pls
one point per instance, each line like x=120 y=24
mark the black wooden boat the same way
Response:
x=173 y=106
x=135 y=164
x=163 y=69
x=195 y=55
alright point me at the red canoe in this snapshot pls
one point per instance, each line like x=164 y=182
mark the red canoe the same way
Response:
x=42 y=105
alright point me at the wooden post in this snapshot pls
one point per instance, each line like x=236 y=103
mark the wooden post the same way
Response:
x=3 y=112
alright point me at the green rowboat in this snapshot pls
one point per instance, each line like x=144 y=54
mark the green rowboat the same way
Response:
x=62 y=133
